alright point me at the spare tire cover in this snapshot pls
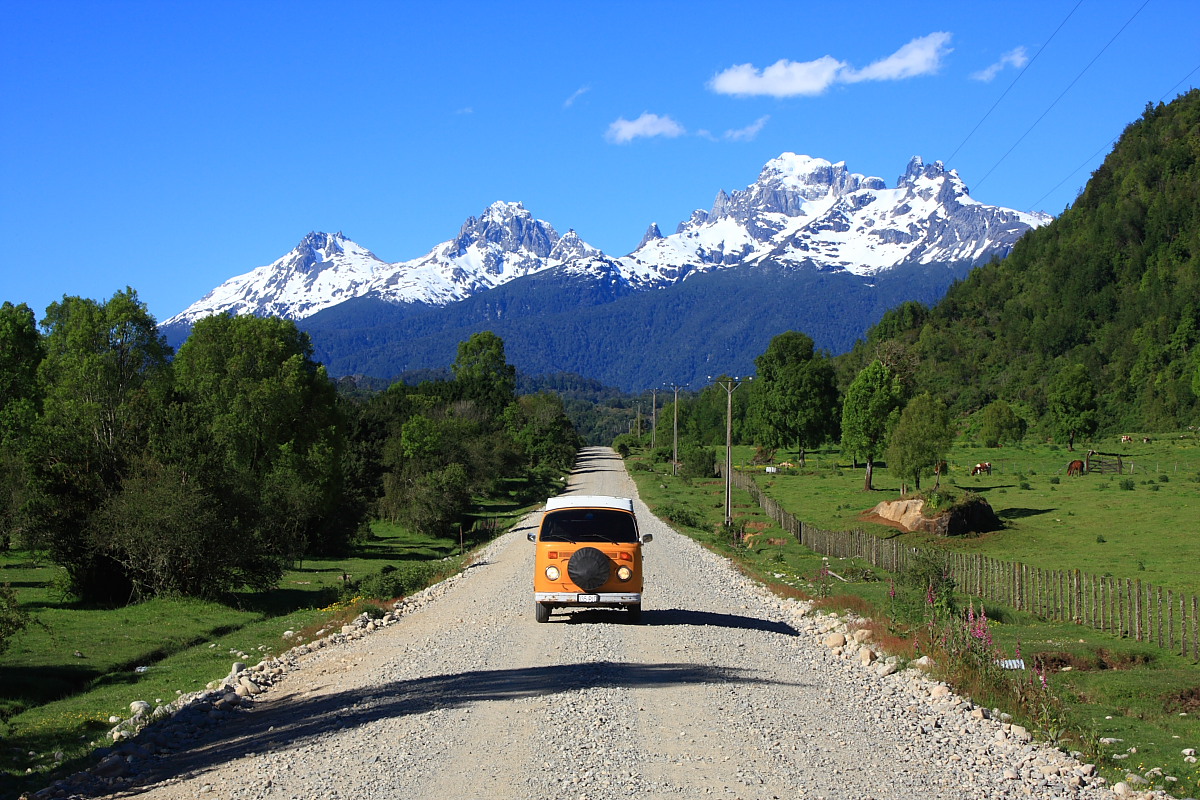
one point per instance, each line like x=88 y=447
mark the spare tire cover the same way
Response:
x=589 y=568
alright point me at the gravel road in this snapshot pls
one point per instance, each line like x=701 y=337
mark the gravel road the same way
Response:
x=723 y=691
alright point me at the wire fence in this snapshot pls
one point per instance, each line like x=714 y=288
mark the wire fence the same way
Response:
x=1123 y=607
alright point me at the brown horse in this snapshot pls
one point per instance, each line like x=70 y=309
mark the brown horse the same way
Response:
x=1075 y=468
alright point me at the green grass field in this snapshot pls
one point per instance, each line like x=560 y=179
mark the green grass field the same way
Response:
x=1150 y=530
x=1110 y=688
x=63 y=676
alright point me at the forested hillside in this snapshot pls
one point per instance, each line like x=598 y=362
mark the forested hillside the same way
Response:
x=1103 y=303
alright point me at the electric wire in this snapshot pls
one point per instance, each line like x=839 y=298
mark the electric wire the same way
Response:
x=1028 y=64
x=1061 y=95
x=1107 y=144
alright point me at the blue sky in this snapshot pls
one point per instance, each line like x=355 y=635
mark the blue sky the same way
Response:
x=171 y=145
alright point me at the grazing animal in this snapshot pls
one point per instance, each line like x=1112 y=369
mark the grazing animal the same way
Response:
x=1126 y=438
x=1075 y=468
x=979 y=469
x=1145 y=440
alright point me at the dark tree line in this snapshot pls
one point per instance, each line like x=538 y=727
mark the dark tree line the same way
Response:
x=142 y=472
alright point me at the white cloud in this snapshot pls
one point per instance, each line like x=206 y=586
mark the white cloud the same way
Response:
x=1013 y=58
x=782 y=79
x=748 y=133
x=570 y=101
x=624 y=130
x=921 y=56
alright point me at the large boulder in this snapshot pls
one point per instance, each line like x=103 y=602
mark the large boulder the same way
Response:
x=973 y=515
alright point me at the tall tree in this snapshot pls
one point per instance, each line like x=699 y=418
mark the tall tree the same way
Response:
x=871 y=408
x=483 y=373
x=794 y=397
x=1072 y=401
x=20 y=354
x=921 y=439
x=105 y=369
x=274 y=438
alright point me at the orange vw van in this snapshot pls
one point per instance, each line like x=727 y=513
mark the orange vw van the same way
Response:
x=589 y=553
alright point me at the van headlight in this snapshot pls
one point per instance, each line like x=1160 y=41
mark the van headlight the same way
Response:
x=552 y=572
x=624 y=573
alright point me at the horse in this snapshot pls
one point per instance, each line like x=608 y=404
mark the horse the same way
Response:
x=979 y=469
x=1075 y=468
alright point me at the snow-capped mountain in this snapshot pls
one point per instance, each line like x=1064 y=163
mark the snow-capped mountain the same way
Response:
x=801 y=213
x=505 y=242
x=808 y=212
x=323 y=270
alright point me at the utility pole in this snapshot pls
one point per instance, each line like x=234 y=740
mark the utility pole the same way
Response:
x=729 y=385
x=653 y=419
x=675 y=447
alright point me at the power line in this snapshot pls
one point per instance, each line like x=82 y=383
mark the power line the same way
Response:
x=1028 y=64
x=1060 y=97
x=1108 y=144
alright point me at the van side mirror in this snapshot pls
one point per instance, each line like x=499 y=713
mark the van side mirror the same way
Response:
x=647 y=538
x=531 y=536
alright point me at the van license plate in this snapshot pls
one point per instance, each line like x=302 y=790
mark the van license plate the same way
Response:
x=589 y=598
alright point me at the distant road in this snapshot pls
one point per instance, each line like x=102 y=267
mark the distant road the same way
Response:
x=721 y=692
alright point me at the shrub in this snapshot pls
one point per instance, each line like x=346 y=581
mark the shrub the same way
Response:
x=1127 y=484
x=699 y=462
x=406 y=578
x=681 y=515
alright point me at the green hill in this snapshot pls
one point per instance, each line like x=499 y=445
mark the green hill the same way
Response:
x=1112 y=285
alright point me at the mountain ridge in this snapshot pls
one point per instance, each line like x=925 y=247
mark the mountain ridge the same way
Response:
x=800 y=209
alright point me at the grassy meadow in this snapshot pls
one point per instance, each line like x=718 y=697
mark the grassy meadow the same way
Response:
x=74 y=667
x=1129 y=705
x=1142 y=525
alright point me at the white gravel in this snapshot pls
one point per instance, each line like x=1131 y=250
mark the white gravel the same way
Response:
x=723 y=691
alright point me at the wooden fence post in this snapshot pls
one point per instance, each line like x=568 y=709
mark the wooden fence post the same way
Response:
x=1170 y=621
x=1195 y=629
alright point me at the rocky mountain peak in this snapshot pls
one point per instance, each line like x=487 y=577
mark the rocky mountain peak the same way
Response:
x=571 y=246
x=510 y=227
x=317 y=248
x=652 y=233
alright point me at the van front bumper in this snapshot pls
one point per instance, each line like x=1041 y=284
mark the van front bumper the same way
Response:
x=586 y=599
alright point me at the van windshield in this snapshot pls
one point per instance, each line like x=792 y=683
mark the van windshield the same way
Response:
x=588 y=525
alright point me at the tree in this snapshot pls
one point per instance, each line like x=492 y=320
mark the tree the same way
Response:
x=273 y=440
x=1072 y=404
x=1000 y=425
x=539 y=425
x=483 y=373
x=921 y=439
x=870 y=410
x=794 y=399
x=104 y=371
x=20 y=355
